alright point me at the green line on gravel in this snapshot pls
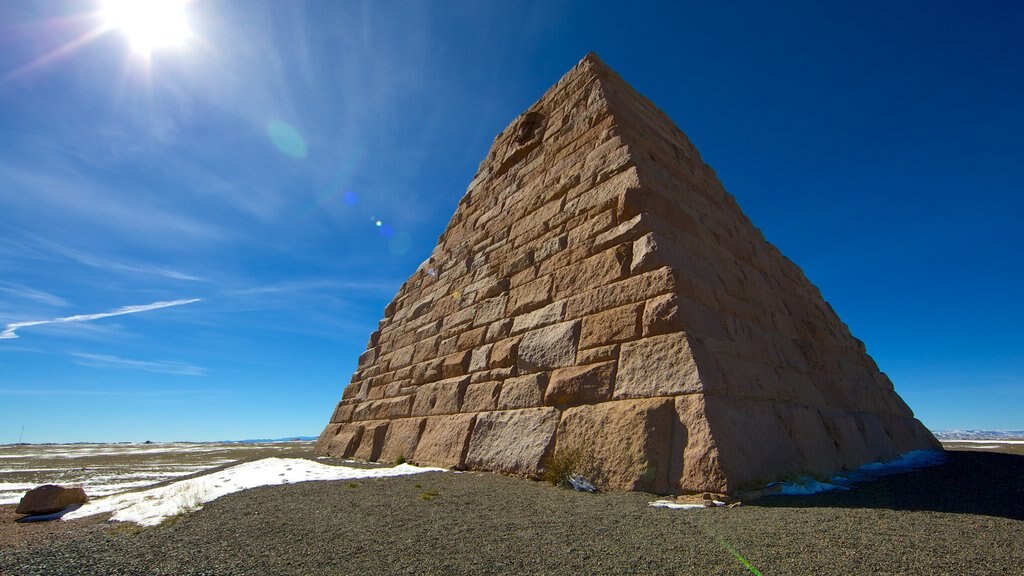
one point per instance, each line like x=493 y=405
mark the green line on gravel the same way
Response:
x=735 y=554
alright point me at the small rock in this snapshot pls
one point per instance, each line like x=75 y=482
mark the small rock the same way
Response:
x=50 y=498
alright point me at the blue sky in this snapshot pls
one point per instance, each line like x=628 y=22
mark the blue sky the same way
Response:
x=229 y=189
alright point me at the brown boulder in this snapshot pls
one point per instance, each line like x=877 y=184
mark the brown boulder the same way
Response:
x=50 y=498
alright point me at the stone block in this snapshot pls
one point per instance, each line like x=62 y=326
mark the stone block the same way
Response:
x=401 y=439
x=529 y=296
x=632 y=289
x=657 y=366
x=599 y=354
x=548 y=348
x=444 y=397
x=471 y=338
x=424 y=372
x=612 y=326
x=602 y=268
x=480 y=358
x=694 y=463
x=445 y=441
x=504 y=353
x=456 y=364
x=550 y=314
x=523 y=391
x=628 y=442
x=490 y=310
x=576 y=385
x=372 y=441
x=514 y=441
x=481 y=397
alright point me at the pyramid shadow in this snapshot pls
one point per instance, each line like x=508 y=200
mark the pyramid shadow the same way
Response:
x=989 y=484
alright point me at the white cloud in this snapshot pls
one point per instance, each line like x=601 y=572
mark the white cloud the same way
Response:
x=28 y=293
x=12 y=328
x=162 y=366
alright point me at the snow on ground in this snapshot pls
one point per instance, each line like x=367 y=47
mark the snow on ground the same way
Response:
x=678 y=506
x=153 y=506
x=845 y=480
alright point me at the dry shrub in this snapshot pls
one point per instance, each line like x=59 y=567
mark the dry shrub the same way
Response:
x=565 y=462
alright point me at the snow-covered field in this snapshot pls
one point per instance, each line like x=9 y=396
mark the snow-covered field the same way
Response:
x=151 y=507
x=104 y=469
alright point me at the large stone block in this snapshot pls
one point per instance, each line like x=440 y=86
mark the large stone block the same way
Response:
x=629 y=442
x=580 y=385
x=529 y=296
x=445 y=441
x=615 y=325
x=523 y=391
x=514 y=441
x=481 y=397
x=401 y=439
x=550 y=347
x=342 y=442
x=444 y=397
x=372 y=441
x=657 y=366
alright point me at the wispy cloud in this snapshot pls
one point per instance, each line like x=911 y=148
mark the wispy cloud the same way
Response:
x=162 y=366
x=65 y=392
x=29 y=293
x=11 y=329
x=46 y=249
x=384 y=287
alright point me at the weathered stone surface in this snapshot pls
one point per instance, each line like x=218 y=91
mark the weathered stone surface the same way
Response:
x=401 y=439
x=504 y=353
x=580 y=385
x=694 y=461
x=597 y=266
x=51 y=498
x=445 y=440
x=480 y=359
x=529 y=296
x=615 y=325
x=523 y=392
x=481 y=397
x=629 y=441
x=549 y=314
x=444 y=397
x=372 y=441
x=514 y=441
x=340 y=441
x=456 y=364
x=657 y=366
x=550 y=347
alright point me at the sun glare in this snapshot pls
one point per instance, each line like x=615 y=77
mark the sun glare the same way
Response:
x=148 y=24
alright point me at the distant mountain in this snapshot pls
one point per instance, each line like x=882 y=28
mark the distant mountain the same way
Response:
x=268 y=440
x=979 y=434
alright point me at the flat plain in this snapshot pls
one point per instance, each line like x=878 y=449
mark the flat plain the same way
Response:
x=965 y=516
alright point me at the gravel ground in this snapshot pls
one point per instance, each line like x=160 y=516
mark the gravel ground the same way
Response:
x=964 y=517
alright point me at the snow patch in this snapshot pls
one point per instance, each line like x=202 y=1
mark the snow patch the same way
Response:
x=678 y=506
x=153 y=506
x=845 y=480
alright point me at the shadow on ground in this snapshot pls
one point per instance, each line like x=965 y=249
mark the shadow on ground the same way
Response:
x=990 y=484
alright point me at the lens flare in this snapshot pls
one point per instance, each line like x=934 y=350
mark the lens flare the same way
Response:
x=287 y=139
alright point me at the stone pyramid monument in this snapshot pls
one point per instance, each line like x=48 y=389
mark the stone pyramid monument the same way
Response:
x=598 y=292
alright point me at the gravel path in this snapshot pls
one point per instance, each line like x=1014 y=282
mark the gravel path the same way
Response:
x=965 y=517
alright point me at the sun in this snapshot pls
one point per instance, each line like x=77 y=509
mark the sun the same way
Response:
x=148 y=24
